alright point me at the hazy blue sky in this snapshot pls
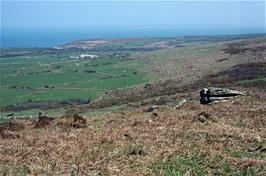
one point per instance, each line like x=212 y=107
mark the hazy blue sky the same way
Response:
x=197 y=14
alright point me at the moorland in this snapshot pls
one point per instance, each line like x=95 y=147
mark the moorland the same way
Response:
x=93 y=95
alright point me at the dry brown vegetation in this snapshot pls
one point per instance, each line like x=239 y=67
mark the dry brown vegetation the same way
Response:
x=134 y=142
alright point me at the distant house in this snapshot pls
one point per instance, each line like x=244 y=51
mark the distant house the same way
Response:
x=84 y=56
x=90 y=56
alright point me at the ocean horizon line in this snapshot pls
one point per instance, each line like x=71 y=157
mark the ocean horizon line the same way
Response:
x=51 y=38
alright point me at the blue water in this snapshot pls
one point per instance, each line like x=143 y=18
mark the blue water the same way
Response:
x=24 y=38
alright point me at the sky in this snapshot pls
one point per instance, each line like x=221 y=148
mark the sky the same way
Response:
x=135 y=14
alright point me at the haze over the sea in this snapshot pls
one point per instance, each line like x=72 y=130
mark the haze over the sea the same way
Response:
x=49 y=23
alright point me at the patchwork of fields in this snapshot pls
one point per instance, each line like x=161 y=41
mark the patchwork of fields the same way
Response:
x=45 y=79
x=57 y=77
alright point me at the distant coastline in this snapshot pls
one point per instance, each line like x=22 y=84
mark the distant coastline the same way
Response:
x=53 y=37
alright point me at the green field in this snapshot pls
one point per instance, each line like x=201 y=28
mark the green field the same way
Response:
x=58 y=77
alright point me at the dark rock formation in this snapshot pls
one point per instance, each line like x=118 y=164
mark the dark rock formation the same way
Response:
x=214 y=94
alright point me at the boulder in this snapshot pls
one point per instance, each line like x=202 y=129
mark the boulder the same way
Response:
x=216 y=94
x=149 y=109
x=181 y=103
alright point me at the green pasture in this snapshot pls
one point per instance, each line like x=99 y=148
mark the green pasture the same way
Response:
x=58 y=77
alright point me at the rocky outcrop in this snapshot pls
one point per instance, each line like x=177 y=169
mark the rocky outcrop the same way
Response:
x=215 y=94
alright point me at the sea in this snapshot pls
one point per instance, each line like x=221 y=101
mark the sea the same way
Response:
x=52 y=37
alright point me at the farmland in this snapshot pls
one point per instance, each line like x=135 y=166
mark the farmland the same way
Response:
x=50 y=79
x=57 y=77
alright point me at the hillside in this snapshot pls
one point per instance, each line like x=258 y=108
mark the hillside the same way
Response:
x=231 y=140
x=226 y=138
x=53 y=80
